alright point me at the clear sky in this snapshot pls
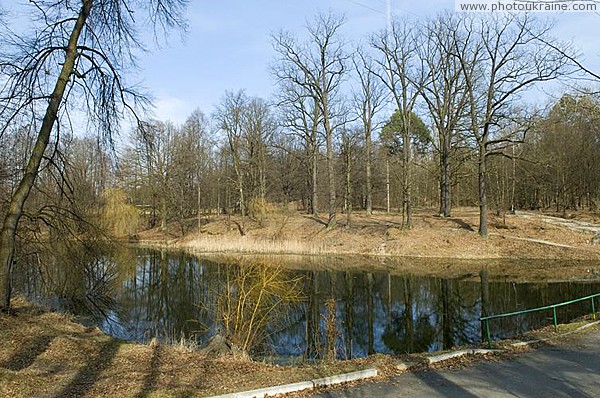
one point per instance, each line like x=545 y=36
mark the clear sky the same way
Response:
x=228 y=46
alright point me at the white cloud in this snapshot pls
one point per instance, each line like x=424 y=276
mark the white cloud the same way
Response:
x=172 y=108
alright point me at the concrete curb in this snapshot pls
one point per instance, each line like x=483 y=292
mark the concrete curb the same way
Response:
x=530 y=342
x=460 y=353
x=303 y=385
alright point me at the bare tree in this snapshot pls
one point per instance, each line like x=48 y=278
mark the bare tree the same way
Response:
x=506 y=56
x=74 y=52
x=401 y=72
x=318 y=66
x=260 y=126
x=230 y=117
x=300 y=117
x=195 y=148
x=368 y=102
x=444 y=92
x=348 y=153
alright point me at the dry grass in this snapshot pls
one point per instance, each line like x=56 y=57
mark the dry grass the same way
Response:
x=46 y=354
x=512 y=237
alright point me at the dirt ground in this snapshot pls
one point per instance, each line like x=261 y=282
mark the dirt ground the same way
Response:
x=520 y=236
x=46 y=354
x=525 y=245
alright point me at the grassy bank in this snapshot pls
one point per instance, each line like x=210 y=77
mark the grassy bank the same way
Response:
x=46 y=354
x=511 y=237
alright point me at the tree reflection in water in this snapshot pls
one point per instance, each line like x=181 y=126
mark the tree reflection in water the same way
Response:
x=141 y=294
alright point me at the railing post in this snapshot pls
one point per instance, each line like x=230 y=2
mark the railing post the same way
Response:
x=555 y=320
x=593 y=309
x=487 y=331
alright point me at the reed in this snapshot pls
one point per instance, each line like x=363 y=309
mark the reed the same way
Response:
x=259 y=245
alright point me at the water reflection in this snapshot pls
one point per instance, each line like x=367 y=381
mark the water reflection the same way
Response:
x=139 y=295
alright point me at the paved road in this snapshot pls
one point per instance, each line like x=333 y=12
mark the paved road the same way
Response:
x=570 y=369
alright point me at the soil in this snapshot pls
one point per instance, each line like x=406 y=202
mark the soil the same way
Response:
x=48 y=354
x=524 y=235
x=521 y=246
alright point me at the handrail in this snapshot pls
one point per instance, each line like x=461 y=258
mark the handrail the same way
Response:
x=553 y=307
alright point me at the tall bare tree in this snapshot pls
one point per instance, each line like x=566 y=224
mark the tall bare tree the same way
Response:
x=260 y=126
x=196 y=152
x=400 y=70
x=369 y=99
x=319 y=67
x=300 y=117
x=76 y=50
x=444 y=92
x=230 y=117
x=506 y=56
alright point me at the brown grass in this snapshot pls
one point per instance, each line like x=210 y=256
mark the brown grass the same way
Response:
x=380 y=235
x=46 y=354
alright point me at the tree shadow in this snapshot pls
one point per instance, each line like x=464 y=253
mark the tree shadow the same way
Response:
x=152 y=376
x=556 y=371
x=89 y=374
x=27 y=353
x=317 y=219
x=385 y=223
x=461 y=223
x=442 y=385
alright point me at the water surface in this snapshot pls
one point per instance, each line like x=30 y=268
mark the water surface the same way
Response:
x=144 y=294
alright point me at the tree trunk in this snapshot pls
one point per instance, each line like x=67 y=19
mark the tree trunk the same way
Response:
x=387 y=185
x=17 y=201
x=483 y=222
x=313 y=205
x=314 y=208
x=406 y=181
x=242 y=204
x=348 y=196
x=368 y=175
x=331 y=222
x=445 y=192
x=163 y=212
x=199 y=204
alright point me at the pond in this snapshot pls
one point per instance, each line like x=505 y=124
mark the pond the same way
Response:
x=281 y=313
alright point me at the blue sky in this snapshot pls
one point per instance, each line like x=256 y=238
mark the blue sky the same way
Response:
x=229 y=48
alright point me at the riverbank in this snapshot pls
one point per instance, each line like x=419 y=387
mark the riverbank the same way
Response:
x=511 y=236
x=47 y=354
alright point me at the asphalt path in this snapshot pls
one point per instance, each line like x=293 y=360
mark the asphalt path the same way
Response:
x=566 y=368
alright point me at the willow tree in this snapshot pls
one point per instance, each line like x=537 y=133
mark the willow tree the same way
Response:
x=74 y=56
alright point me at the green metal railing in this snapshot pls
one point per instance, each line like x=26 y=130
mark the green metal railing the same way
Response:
x=486 y=319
